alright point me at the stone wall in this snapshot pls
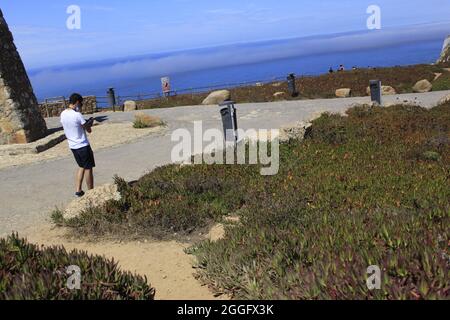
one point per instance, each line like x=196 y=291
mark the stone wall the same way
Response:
x=20 y=119
x=54 y=108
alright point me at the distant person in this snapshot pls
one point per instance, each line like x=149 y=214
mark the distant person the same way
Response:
x=75 y=128
x=331 y=70
x=341 y=68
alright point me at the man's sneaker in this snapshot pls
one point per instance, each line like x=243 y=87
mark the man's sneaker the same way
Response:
x=79 y=194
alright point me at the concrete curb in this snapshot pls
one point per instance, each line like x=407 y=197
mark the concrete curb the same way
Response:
x=34 y=147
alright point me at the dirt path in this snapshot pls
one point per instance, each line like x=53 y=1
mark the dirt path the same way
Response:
x=167 y=267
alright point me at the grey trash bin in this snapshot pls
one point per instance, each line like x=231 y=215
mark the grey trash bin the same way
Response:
x=375 y=91
x=229 y=121
x=111 y=97
x=291 y=85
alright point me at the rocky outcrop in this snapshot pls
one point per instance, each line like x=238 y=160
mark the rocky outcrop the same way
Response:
x=423 y=86
x=97 y=197
x=217 y=97
x=444 y=100
x=445 y=54
x=343 y=93
x=129 y=106
x=296 y=131
x=20 y=118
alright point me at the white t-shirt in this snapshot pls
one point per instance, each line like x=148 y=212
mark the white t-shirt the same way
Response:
x=73 y=122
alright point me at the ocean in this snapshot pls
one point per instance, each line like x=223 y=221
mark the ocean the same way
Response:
x=213 y=67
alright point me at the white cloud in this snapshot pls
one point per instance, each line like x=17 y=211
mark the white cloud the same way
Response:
x=237 y=54
x=98 y=8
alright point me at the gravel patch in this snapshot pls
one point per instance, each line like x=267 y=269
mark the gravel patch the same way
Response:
x=103 y=136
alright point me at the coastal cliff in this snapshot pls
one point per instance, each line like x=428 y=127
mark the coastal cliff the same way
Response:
x=445 y=55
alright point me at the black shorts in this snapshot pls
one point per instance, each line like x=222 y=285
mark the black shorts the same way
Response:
x=84 y=157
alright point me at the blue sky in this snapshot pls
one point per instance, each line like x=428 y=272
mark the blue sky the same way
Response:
x=116 y=28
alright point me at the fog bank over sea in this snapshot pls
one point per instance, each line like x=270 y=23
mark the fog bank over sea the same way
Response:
x=244 y=62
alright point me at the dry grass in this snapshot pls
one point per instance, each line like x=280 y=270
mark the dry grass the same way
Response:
x=143 y=120
x=402 y=79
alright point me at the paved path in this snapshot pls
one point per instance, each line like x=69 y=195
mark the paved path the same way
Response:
x=29 y=193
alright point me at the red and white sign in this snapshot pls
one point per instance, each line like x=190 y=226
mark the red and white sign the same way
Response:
x=165 y=82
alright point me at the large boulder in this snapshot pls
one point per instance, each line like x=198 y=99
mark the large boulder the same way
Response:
x=385 y=91
x=296 y=131
x=279 y=95
x=97 y=196
x=423 y=86
x=445 y=54
x=217 y=97
x=388 y=90
x=343 y=93
x=129 y=106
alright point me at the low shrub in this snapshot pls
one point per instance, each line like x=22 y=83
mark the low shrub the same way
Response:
x=357 y=192
x=442 y=83
x=28 y=272
x=349 y=198
x=143 y=120
x=171 y=200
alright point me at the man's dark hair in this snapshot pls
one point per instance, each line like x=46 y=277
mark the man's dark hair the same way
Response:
x=74 y=98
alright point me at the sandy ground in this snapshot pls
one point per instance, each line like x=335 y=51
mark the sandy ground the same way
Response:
x=103 y=136
x=168 y=269
x=165 y=264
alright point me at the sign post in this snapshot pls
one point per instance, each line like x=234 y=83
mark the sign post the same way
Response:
x=165 y=83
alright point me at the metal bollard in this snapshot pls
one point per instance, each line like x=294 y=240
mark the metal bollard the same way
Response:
x=111 y=97
x=375 y=91
x=291 y=85
x=229 y=121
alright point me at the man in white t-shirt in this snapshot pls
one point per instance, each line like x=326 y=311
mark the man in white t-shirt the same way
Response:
x=75 y=128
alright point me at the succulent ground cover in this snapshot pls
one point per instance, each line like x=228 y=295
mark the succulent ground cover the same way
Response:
x=369 y=188
x=443 y=82
x=29 y=272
